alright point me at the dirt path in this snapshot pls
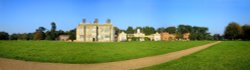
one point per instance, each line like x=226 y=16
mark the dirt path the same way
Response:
x=10 y=64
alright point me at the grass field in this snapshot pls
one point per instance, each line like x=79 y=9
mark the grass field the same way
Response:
x=228 y=55
x=73 y=52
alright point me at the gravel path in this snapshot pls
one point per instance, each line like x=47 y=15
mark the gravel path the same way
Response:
x=10 y=64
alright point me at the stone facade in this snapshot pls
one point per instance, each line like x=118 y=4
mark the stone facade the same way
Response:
x=122 y=37
x=141 y=36
x=156 y=36
x=95 y=32
x=186 y=36
x=64 y=37
x=166 y=36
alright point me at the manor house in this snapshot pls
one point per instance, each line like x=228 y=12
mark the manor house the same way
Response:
x=95 y=32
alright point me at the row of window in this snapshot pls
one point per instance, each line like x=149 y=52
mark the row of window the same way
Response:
x=100 y=36
x=94 y=30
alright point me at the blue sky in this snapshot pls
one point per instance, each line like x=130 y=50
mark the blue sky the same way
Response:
x=19 y=16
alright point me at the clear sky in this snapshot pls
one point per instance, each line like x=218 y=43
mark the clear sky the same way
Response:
x=19 y=16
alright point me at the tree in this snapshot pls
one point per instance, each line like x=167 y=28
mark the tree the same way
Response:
x=53 y=30
x=199 y=33
x=54 y=36
x=39 y=34
x=117 y=31
x=171 y=30
x=202 y=32
x=141 y=29
x=72 y=34
x=51 y=35
x=148 y=30
x=4 y=36
x=217 y=37
x=21 y=36
x=232 y=31
x=30 y=36
x=48 y=35
x=161 y=29
x=53 y=26
x=184 y=29
x=246 y=32
x=13 y=36
x=59 y=32
x=130 y=30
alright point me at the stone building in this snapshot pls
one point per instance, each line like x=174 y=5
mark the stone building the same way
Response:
x=95 y=32
x=166 y=36
x=141 y=36
x=186 y=36
x=63 y=37
x=156 y=37
x=122 y=37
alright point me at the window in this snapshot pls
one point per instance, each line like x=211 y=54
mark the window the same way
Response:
x=81 y=31
x=106 y=30
x=93 y=30
x=106 y=36
x=81 y=36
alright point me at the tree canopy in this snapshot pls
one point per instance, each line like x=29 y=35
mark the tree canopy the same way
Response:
x=171 y=30
x=4 y=36
x=232 y=31
x=130 y=30
x=148 y=30
x=199 y=33
x=246 y=32
x=39 y=34
x=184 y=29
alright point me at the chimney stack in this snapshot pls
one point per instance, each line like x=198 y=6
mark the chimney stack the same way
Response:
x=83 y=20
x=96 y=21
x=108 y=21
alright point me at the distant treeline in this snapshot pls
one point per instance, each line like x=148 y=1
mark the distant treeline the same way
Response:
x=233 y=31
x=40 y=34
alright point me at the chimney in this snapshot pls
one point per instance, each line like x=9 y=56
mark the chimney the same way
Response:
x=84 y=21
x=108 y=21
x=96 y=21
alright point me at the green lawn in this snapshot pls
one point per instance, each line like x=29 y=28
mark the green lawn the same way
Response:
x=73 y=52
x=228 y=55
